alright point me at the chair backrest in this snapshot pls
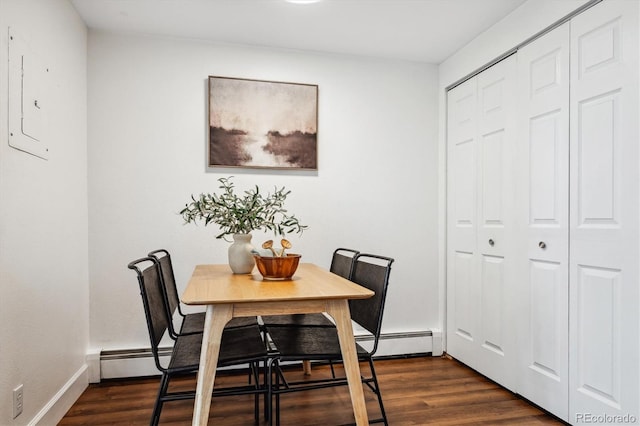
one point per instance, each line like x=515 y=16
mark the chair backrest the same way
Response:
x=164 y=258
x=370 y=271
x=153 y=300
x=169 y=285
x=342 y=262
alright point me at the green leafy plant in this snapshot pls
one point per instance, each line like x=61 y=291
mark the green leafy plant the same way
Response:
x=236 y=214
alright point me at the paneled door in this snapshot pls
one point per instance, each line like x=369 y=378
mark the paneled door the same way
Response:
x=604 y=217
x=480 y=269
x=543 y=221
x=462 y=282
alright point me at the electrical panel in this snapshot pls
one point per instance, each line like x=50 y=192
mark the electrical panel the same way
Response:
x=27 y=108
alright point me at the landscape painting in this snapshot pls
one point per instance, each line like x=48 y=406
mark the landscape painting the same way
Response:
x=263 y=124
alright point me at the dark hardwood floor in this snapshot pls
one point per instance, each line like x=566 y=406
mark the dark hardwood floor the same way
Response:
x=416 y=391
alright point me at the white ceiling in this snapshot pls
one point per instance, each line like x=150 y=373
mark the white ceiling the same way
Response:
x=414 y=30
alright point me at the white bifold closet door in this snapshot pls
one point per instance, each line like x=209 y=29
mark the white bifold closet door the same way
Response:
x=480 y=270
x=543 y=221
x=604 y=216
x=543 y=218
x=578 y=217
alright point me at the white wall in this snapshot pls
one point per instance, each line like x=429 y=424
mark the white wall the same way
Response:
x=375 y=190
x=523 y=23
x=43 y=223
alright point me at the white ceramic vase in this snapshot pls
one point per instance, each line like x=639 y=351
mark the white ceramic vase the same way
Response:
x=241 y=259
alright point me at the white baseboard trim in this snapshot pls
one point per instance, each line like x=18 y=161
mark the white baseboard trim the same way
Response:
x=57 y=406
x=115 y=364
x=437 y=346
x=93 y=364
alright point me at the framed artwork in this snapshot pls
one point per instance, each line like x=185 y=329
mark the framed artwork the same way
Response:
x=262 y=124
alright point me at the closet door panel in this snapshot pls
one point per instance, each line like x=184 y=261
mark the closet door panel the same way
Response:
x=462 y=268
x=496 y=139
x=547 y=357
x=604 y=276
x=493 y=324
x=598 y=162
x=464 y=292
x=543 y=250
x=493 y=169
x=599 y=375
x=545 y=143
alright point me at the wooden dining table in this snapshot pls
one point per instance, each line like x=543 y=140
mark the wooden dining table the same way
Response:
x=312 y=289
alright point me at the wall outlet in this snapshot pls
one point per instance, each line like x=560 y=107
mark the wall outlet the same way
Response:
x=17 y=401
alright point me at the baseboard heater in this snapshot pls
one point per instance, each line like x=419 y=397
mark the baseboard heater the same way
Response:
x=403 y=335
x=139 y=362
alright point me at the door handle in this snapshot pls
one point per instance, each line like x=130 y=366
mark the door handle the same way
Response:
x=491 y=242
x=542 y=245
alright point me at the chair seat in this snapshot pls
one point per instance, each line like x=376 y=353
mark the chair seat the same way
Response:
x=307 y=343
x=297 y=320
x=242 y=322
x=241 y=343
x=186 y=353
x=194 y=323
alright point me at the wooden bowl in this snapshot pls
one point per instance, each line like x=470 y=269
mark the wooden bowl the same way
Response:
x=277 y=268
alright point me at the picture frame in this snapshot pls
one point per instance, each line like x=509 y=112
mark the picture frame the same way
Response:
x=262 y=124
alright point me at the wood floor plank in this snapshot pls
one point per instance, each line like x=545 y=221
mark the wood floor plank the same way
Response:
x=416 y=391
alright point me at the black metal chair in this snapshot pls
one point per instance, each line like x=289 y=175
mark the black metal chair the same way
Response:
x=192 y=322
x=322 y=344
x=341 y=264
x=239 y=346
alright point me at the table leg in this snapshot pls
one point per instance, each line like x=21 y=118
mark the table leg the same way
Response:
x=215 y=321
x=339 y=310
